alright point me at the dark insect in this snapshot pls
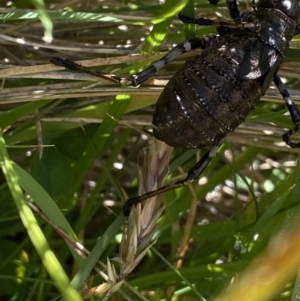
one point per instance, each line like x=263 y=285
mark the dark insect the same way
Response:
x=211 y=94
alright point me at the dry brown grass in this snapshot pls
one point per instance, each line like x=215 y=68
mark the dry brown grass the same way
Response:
x=142 y=222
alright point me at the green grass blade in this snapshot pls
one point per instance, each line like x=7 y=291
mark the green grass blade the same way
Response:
x=35 y=233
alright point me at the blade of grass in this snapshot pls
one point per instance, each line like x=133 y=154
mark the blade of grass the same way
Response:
x=35 y=233
x=46 y=21
x=43 y=199
x=115 y=112
x=162 y=23
x=10 y=116
x=97 y=251
x=178 y=274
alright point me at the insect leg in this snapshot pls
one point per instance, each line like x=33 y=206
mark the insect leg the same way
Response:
x=178 y=50
x=193 y=174
x=70 y=65
x=295 y=115
x=142 y=76
x=207 y=22
x=233 y=9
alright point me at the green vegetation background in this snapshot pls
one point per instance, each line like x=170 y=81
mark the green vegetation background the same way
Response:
x=71 y=143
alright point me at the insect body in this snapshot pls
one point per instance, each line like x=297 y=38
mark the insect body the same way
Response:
x=210 y=95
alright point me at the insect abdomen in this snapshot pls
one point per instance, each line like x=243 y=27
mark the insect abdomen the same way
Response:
x=205 y=100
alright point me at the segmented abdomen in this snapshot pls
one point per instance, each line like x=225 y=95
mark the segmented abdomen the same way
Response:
x=206 y=100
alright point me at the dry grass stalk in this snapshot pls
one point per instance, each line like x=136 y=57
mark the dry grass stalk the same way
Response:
x=142 y=221
x=143 y=218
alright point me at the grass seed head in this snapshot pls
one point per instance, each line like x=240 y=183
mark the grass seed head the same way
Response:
x=142 y=221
